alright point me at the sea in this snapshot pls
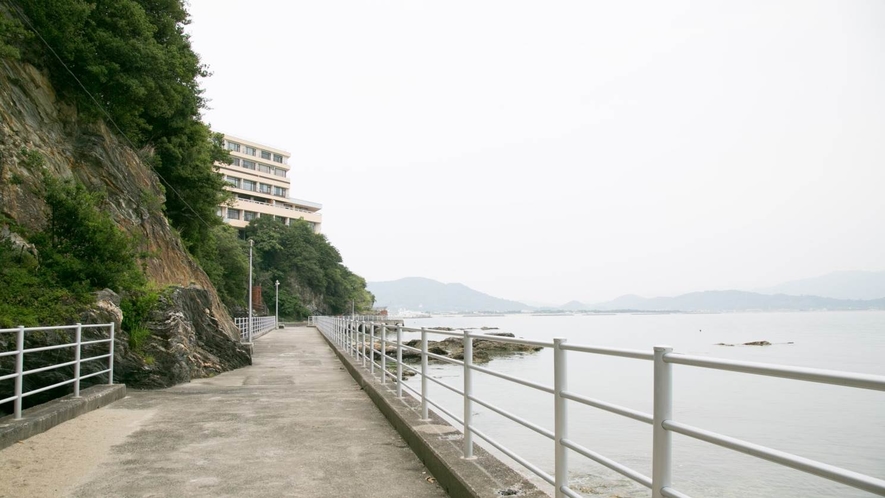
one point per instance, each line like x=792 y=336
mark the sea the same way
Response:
x=836 y=425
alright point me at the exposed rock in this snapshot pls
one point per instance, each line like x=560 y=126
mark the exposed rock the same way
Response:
x=484 y=350
x=194 y=335
x=757 y=343
x=185 y=343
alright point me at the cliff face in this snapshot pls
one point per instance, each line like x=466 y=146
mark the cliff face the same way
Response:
x=33 y=119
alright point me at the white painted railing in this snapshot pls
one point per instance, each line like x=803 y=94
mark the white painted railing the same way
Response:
x=358 y=339
x=260 y=326
x=19 y=352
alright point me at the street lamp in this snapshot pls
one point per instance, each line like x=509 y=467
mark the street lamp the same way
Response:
x=277 y=285
x=251 y=244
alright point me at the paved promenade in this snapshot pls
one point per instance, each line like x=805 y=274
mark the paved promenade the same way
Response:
x=293 y=424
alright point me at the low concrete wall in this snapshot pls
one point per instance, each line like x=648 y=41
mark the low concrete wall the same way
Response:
x=438 y=445
x=46 y=416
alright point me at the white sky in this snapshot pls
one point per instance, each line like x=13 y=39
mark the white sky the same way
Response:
x=557 y=150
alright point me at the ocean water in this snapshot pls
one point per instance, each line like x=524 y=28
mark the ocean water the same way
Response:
x=835 y=425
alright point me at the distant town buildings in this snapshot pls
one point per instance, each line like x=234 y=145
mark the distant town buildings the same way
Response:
x=258 y=177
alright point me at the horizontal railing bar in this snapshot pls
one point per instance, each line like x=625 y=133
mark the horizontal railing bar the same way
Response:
x=838 y=474
x=568 y=492
x=524 y=382
x=625 y=353
x=450 y=414
x=443 y=384
x=848 y=379
x=450 y=333
x=511 y=340
x=9 y=376
x=93 y=374
x=49 y=348
x=53 y=386
x=95 y=357
x=608 y=462
x=672 y=493
x=50 y=367
x=8 y=353
x=410 y=348
x=602 y=405
x=7 y=400
x=522 y=461
x=60 y=327
x=97 y=341
x=444 y=358
x=408 y=367
x=519 y=420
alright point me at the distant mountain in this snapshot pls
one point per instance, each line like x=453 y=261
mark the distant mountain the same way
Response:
x=837 y=285
x=732 y=300
x=424 y=294
x=573 y=306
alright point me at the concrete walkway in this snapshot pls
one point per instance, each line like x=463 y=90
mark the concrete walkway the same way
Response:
x=293 y=424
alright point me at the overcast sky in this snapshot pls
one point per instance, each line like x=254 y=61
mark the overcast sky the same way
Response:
x=557 y=150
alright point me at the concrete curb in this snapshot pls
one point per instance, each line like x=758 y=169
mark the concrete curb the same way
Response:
x=438 y=445
x=46 y=416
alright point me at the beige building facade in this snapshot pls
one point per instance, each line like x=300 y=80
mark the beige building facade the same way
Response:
x=258 y=176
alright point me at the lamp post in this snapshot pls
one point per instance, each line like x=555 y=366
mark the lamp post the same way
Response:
x=277 y=286
x=251 y=244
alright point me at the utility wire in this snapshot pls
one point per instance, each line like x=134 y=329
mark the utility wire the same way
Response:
x=27 y=21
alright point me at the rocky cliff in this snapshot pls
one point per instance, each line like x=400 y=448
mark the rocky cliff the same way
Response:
x=192 y=333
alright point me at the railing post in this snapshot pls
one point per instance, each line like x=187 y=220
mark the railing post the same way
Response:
x=384 y=353
x=424 y=413
x=399 y=361
x=78 y=339
x=663 y=410
x=560 y=413
x=468 y=392
x=111 y=362
x=372 y=349
x=19 y=368
x=363 y=344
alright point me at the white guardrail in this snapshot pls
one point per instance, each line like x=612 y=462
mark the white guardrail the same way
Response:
x=19 y=352
x=260 y=326
x=356 y=337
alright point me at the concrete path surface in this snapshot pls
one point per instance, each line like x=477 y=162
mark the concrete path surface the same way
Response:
x=293 y=424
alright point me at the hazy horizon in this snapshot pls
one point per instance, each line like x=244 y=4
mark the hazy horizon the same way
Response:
x=569 y=150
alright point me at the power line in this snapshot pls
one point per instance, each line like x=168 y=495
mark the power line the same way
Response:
x=27 y=21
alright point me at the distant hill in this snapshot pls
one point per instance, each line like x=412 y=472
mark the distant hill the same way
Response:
x=424 y=294
x=574 y=306
x=837 y=285
x=732 y=300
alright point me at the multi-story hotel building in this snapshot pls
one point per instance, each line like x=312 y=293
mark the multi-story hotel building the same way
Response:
x=258 y=178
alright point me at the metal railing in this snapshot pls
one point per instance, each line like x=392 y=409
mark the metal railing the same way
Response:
x=19 y=352
x=358 y=339
x=260 y=325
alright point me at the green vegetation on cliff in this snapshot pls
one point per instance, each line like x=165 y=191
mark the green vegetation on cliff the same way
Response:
x=310 y=270
x=130 y=63
x=134 y=58
x=81 y=251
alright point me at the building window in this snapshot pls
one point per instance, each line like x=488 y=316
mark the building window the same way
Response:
x=279 y=172
x=233 y=181
x=233 y=146
x=249 y=215
x=233 y=214
x=249 y=151
x=277 y=158
x=218 y=212
x=235 y=161
x=264 y=188
x=279 y=191
x=248 y=164
x=265 y=154
x=265 y=168
x=248 y=185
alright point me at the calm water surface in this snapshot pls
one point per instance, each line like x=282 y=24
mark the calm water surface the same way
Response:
x=835 y=425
